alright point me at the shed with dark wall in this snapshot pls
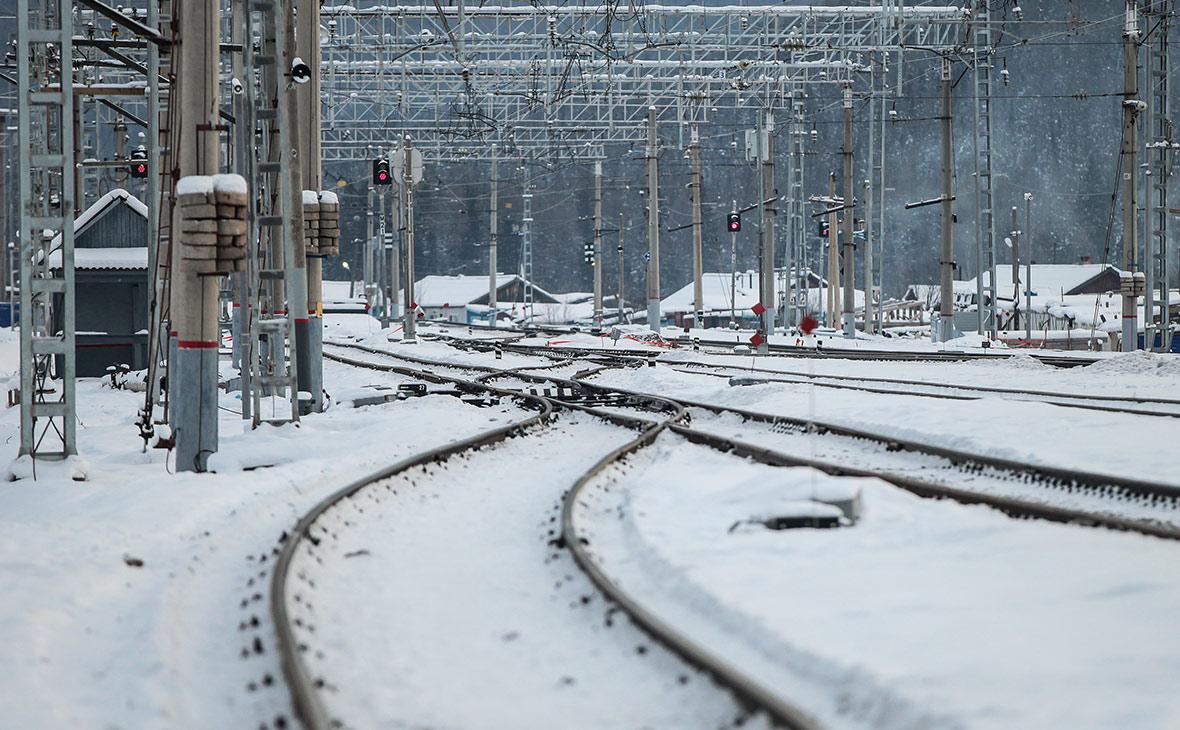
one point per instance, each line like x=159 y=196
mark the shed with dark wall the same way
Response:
x=111 y=285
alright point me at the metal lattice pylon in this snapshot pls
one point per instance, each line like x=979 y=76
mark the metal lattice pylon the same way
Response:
x=275 y=216
x=46 y=108
x=1160 y=158
x=159 y=151
x=985 y=223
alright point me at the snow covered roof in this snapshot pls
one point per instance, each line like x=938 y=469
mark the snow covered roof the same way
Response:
x=461 y=290
x=91 y=214
x=715 y=292
x=1047 y=279
x=337 y=291
x=105 y=259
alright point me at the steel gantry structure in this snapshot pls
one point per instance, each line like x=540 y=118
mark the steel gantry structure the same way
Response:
x=530 y=81
x=514 y=82
x=528 y=76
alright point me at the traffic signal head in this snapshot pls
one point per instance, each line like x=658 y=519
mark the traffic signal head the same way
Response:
x=381 y=174
x=139 y=165
x=823 y=229
x=588 y=253
x=734 y=222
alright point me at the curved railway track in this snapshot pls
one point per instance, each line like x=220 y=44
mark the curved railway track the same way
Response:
x=1129 y=404
x=650 y=416
x=1133 y=405
x=1017 y=488
x=306 y=535
x=725 y=347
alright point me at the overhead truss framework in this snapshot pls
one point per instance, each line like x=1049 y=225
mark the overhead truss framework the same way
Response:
x=526 y=77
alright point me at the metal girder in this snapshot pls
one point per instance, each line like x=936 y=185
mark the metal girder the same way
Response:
x=588 y=72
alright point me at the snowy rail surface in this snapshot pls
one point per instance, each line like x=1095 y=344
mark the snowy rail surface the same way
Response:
x=705 y=641
x=311 y=533
x=304 y=689
x=1019 y=488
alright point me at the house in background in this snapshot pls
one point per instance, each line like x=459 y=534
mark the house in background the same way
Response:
x=465 y=298
x=730 y=296
x=111 y=284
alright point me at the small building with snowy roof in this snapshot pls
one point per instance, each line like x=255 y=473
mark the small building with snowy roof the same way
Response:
x=728 y=294
x=447 y=297
x=111 y=284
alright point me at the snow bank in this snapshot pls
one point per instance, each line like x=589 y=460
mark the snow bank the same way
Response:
x=1138 y=363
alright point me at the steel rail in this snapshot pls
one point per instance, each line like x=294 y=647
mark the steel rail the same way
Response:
x=750 y=692
x=963 y=461
x=726 y=348
x=305 y=698
x=972 y=463
x=1036 y=396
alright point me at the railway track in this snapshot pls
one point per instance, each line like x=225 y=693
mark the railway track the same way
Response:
x=725 y=347
x=1128 y=404
x=1133 y=405
x=309 y=533
x=1017 y=488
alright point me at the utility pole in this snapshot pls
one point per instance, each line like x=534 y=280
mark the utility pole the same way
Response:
x=526 y=244
x=309 y=327
x=849 y=310
x=653 y=224
x=833 y=267
x=493 y=238
x=386 y=314
x=733 y=274
x=1028 y=268
x=408 y=213
x=120 y=130
x=870 y=322
x=622 y=272
x=394 y=240
x=694 y=150
x=946 y=305
x=598 y=243
x=195 y=297
x=1131 y=277
x=370 y=244
x=1015 y=270
x=769 y=212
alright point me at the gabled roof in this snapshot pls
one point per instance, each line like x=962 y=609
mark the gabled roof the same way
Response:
x=1048 y=279
x=461 y=290
x=98 y=208
x=716 y=288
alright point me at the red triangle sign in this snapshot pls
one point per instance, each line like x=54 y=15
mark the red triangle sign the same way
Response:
x=758 y=309
x=757 y=339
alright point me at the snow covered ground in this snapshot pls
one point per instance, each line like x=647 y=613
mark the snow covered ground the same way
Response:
x=1094 y=441
x=138 y=597
x=473 y=617
x=924 y=614
x=134 y=599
